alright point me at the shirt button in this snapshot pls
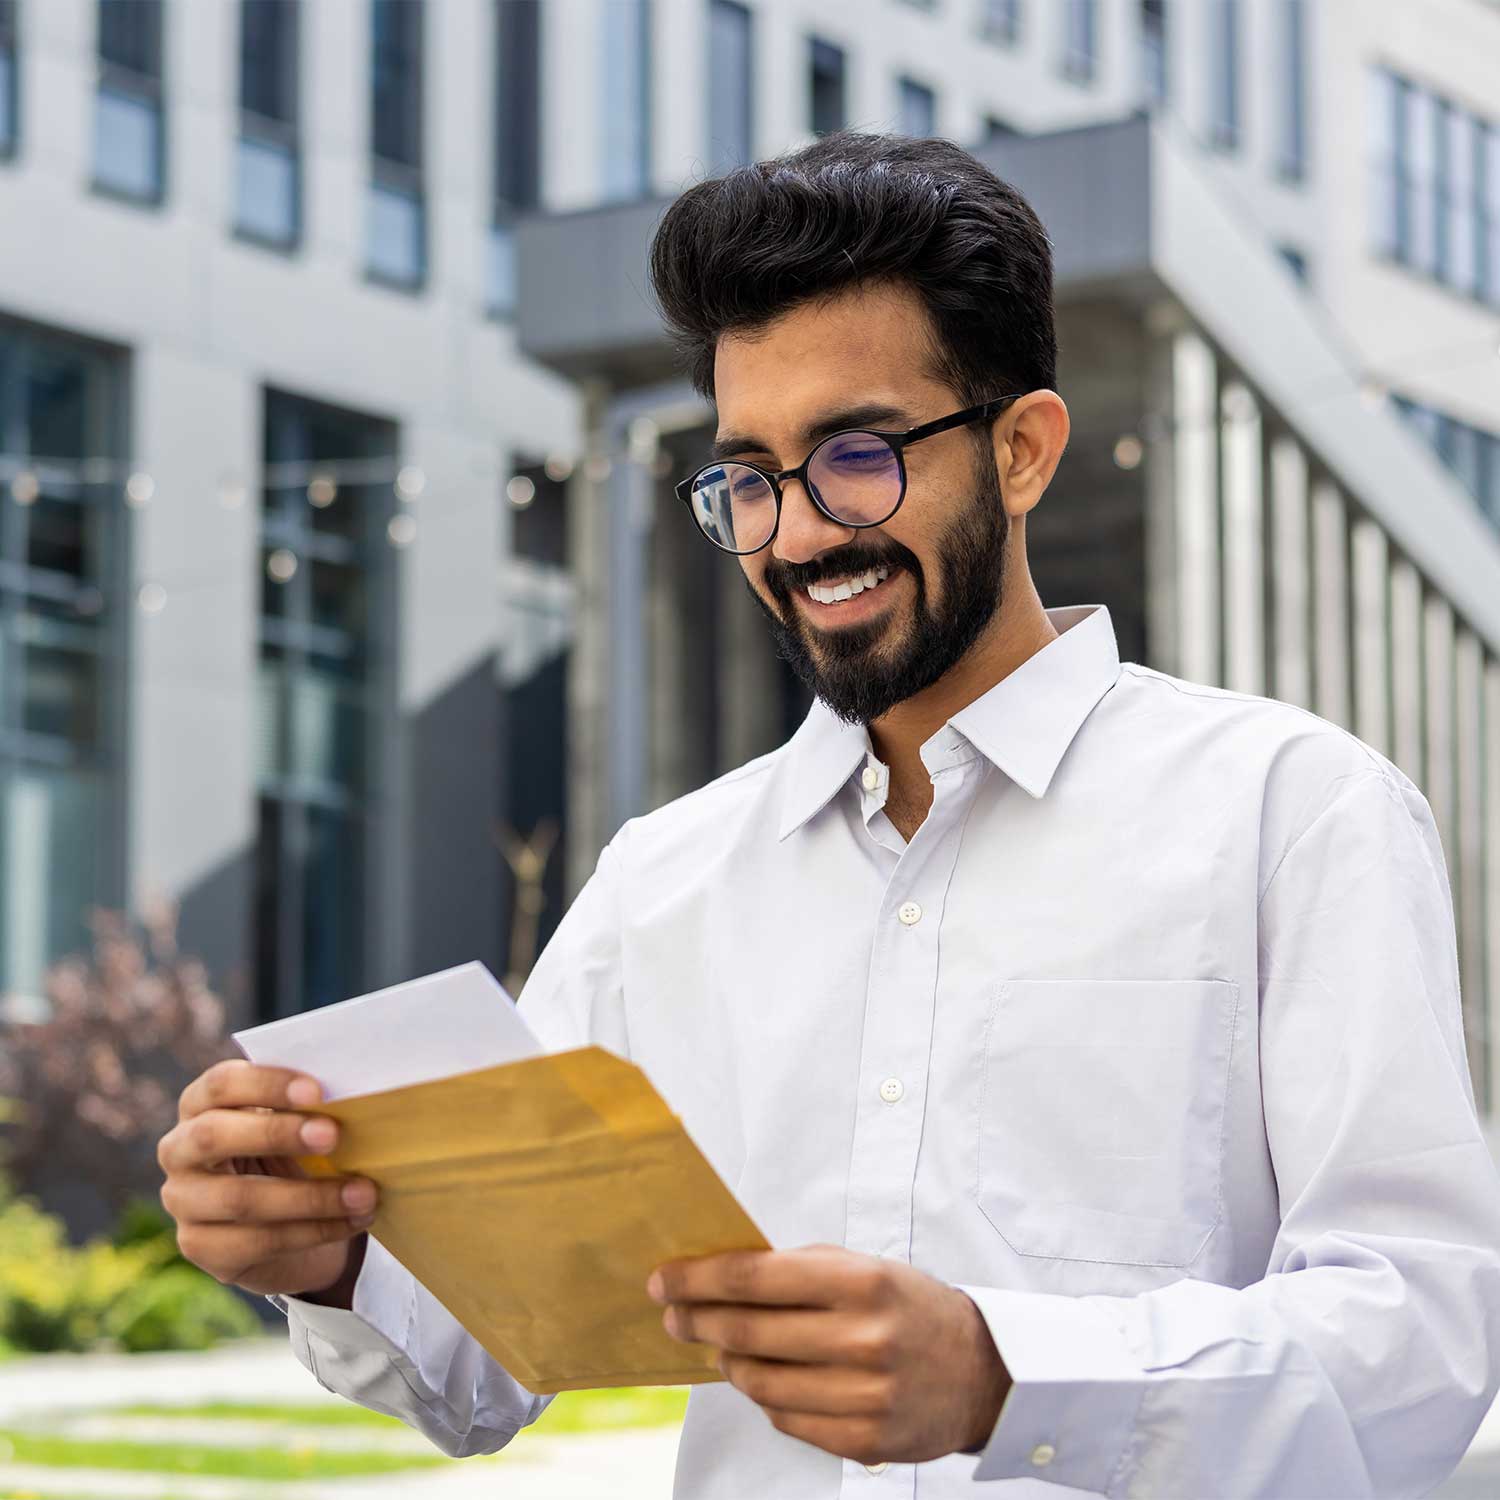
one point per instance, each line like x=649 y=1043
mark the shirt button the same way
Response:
x=879 y=1468
x=891 y=1090
x=870 y=779
x=1043 y=1454
x=910 y=914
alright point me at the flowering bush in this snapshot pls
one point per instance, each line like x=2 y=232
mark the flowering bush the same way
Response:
x=91 y=1084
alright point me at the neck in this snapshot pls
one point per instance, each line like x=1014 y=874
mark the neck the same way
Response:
x=1018 y=631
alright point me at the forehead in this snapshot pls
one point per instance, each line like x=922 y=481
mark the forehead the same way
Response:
x=866 y=345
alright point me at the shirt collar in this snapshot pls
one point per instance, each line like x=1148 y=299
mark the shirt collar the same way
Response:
x=1023 y=725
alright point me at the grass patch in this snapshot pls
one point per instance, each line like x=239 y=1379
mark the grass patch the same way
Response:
x=572 y=1411
x=197 y=1458
x=622 y=1406
x=292 y=1414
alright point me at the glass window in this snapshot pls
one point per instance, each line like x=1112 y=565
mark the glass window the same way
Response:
x=827 y=109
x=267 y=168
x=1224 y=73
x=1421 y=138
x=1386 y=164
x=1080 y=39
x=325 y=682
x=626 y=116
x=730 y=86
x=1458 y=202
x=517 y=142
x=1487 y=177
x=10 y=121
x=1000 y=20
x=1296 y=261
x=128 y=129
x=396 y=212
x=1154 y=50
x=916 y=109
x=61 y=590
x=1291 y=142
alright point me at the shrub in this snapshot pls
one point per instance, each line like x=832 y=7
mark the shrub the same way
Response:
x=137 y=1294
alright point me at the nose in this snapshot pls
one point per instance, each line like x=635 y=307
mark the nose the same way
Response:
x=805 y=532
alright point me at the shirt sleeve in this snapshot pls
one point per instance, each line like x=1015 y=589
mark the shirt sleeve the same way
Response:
x=399 y=1350
x=1364 y=1360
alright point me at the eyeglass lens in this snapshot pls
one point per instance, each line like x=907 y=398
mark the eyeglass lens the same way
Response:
x=856 y=476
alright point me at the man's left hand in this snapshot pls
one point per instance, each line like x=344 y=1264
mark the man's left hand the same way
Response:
x=863 y=1357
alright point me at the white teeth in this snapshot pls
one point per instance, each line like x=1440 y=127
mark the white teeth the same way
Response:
x=836 y=593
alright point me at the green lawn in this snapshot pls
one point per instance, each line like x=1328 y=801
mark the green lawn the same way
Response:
x=306 y=1462
x=573 y=1411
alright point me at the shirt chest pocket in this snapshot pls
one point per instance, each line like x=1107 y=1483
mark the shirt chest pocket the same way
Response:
x=1101 y=1117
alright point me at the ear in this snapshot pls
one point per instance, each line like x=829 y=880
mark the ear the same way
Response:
x=1029 y=444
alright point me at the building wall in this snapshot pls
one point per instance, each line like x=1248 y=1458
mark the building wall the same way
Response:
x=209 y=321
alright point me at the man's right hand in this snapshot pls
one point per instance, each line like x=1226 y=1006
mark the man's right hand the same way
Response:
x=245 y=1211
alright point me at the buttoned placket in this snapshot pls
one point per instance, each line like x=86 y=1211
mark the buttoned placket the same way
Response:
x=900 y=1006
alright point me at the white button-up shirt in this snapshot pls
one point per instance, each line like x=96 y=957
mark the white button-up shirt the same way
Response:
x=1149 y=1039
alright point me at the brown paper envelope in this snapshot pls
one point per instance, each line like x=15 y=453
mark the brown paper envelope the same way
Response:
x=533 y=1200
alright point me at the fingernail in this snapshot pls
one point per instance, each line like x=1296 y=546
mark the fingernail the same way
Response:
x=362 y=1222
x=359 y=1197
x=319 y=1135
x=654 y=1288
x=303 y=1092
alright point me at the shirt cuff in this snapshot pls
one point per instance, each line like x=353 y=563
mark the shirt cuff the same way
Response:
x=381 y=1315
x=1070 y=1412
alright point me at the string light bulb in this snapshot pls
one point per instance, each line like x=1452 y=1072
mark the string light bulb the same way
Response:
x=139 y=489
x=410 y=483
x=25 y=488
x=1128 y=451
x=152 y=598
x=520 y=490
x=322 y=491
x=401 y=530
x=558 y=467
x=281 y=565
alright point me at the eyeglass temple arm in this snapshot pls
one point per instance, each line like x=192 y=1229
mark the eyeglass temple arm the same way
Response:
x=959 y=418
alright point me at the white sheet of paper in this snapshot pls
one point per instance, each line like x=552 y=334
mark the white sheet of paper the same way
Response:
x=453 y=1021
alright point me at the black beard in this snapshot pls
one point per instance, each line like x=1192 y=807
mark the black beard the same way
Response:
x=861 y=683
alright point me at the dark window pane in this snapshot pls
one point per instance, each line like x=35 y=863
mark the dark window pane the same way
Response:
x=9 y=112
x=331 y=924
x=1080 y=39
x=396 y=82
x=58 y=536
x=60 y=690
x=517 y=110
x=1154 y=49
x=268 y=59
x=1000 y=20
x=56 y=411
x=130 y=36
x=826 y=67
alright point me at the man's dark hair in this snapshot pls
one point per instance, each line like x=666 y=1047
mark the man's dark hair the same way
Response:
x=734 y=252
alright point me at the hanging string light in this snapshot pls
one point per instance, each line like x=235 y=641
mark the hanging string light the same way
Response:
x=401 y=530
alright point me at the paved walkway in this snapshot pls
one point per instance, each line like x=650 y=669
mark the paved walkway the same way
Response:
x=629 y=1465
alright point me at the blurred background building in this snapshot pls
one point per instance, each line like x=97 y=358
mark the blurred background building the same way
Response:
x=340 y=573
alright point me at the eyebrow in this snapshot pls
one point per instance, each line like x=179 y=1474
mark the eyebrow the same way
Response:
x=867 y=415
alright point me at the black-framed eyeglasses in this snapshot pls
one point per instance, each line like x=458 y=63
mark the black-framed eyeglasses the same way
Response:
x=856 y=478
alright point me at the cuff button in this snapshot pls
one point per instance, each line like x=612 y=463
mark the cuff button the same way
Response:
x=1043 y=1454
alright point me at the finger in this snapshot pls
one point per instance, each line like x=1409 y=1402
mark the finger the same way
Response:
x=818 y=1276
x=823 y=1389
x=808 y=1336
x=858 y=1438
x=216 y=1197
x=234 y=1083
x=215 y=1136
x=228 y=1251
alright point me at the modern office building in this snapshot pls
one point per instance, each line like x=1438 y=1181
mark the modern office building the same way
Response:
x=339 y=565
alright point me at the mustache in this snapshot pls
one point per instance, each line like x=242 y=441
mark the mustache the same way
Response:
x=782 y=579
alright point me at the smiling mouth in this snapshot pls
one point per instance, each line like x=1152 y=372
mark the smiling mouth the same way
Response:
x=825 y=594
